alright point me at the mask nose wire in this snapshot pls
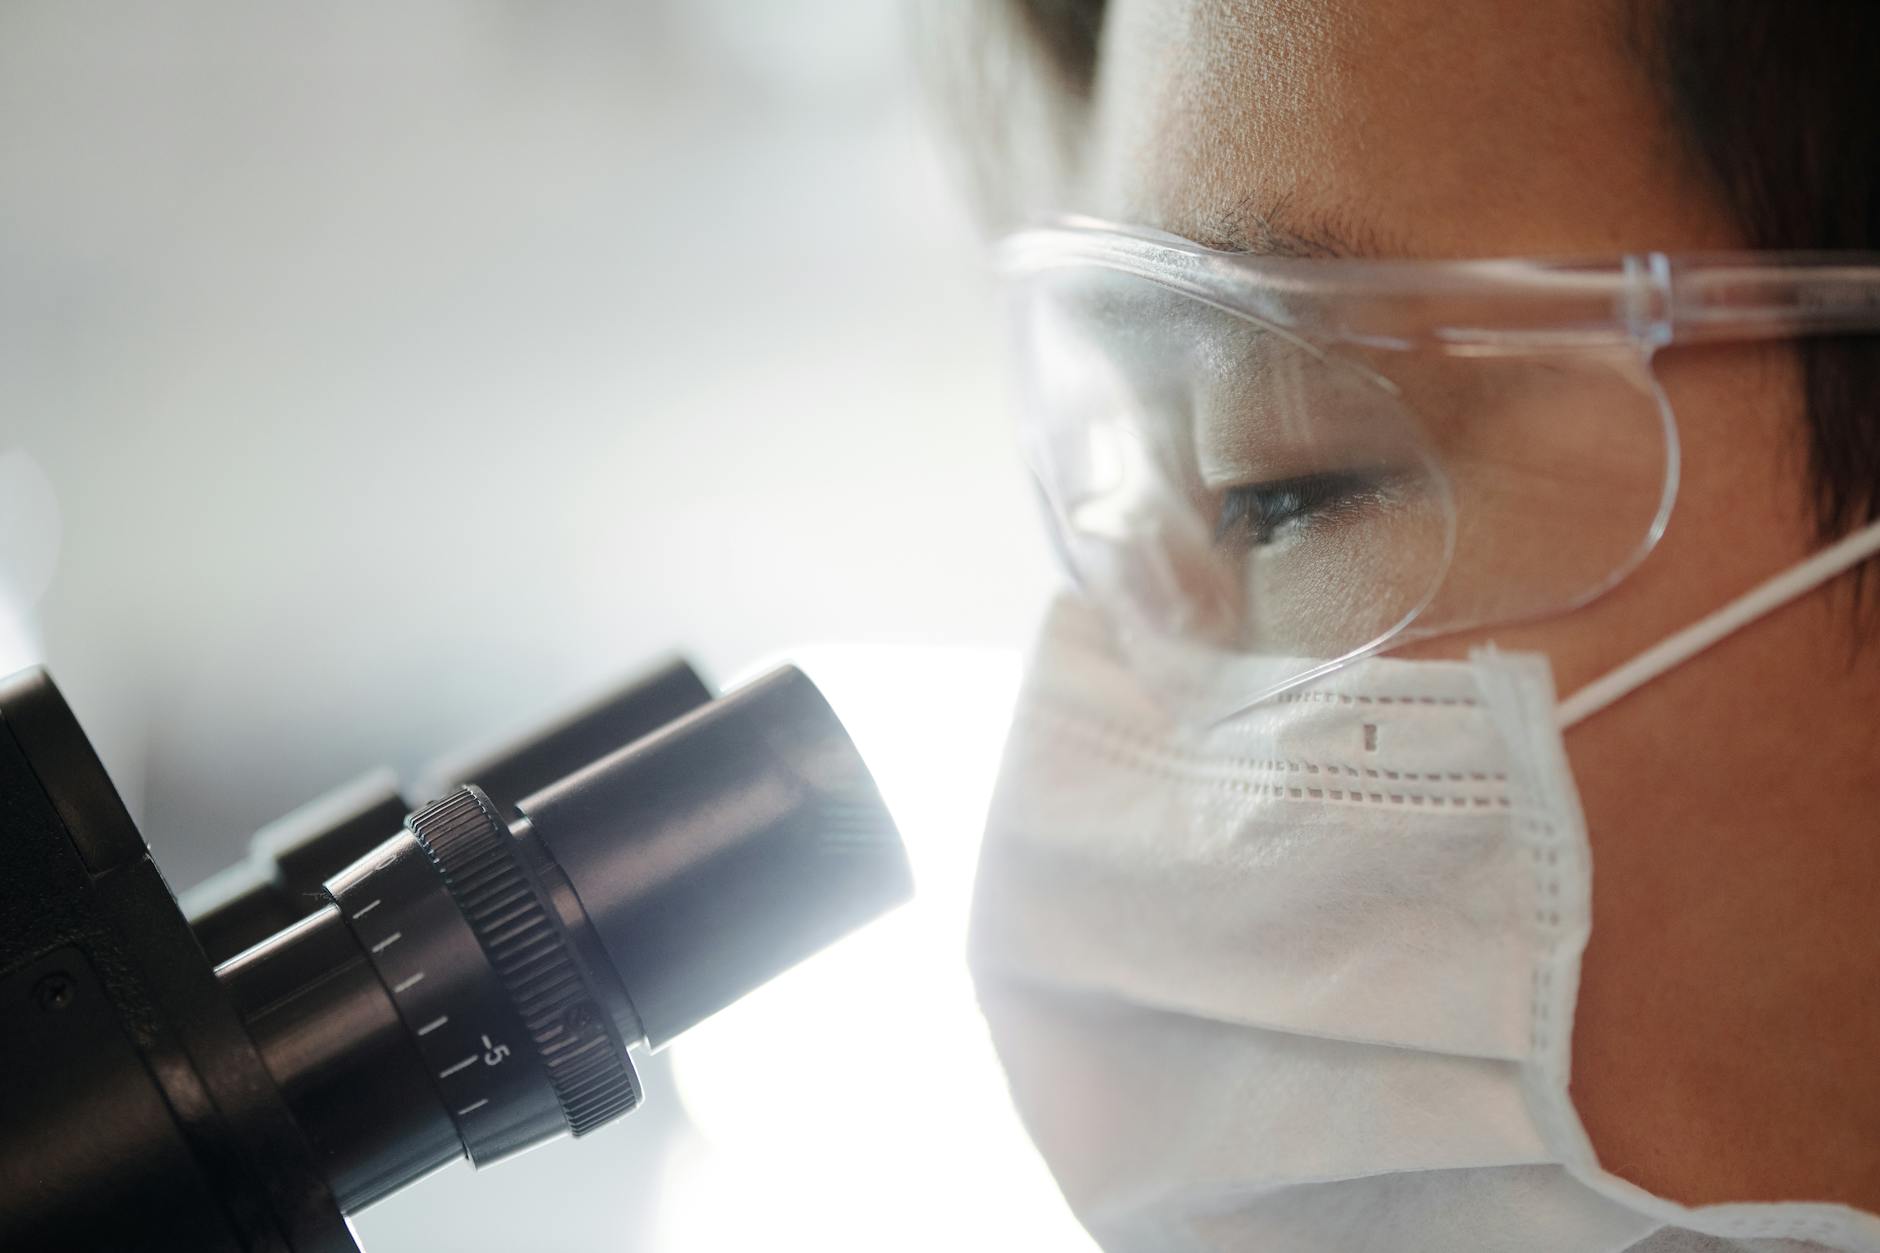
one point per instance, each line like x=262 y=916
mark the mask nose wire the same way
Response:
x=1679 y=648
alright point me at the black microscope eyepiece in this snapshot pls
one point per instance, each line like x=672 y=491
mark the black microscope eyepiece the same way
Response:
x=719 y=852
x=476 y=981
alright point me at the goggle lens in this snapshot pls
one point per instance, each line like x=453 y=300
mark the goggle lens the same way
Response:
x=1252 y=508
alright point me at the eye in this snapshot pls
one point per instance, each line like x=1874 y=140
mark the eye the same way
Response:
x=1260 y=514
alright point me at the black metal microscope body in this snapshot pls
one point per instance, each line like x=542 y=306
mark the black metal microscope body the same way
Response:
x=388 y=993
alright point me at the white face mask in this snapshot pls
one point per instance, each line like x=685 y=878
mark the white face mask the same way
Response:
x=1304 y=982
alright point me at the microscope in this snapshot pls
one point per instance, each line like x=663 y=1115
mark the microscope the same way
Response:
x=386 y=987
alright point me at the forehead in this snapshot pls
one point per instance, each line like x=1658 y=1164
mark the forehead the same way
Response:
x=1422 y=127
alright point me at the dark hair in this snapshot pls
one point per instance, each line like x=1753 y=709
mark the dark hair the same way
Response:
x=1777 y=106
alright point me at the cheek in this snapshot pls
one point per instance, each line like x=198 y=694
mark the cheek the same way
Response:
x=1740 y=516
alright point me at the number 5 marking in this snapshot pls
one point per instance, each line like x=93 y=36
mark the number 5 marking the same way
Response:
x=493 y=1053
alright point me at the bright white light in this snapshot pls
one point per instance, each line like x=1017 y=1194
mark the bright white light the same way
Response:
x=29 y=552
x=855 y=1104
x=18 y=648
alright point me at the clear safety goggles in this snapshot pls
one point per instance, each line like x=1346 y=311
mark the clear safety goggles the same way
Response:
x=1263 y=468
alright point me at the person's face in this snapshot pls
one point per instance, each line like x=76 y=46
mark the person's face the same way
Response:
x=1473 y=129
x=1479 y=128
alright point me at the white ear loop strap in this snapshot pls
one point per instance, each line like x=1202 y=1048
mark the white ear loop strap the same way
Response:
x=1677 y=649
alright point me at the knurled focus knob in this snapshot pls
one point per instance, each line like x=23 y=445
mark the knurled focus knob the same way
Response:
x=473 y=850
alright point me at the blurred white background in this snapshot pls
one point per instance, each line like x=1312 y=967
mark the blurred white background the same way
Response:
x=376 y=377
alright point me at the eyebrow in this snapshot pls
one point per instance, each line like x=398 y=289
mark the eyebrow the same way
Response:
x=1277 y=227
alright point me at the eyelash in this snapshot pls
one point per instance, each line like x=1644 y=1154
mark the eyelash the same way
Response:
x=1259 y=512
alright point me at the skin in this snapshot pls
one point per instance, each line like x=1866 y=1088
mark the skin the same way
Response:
x=1725 y=1041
